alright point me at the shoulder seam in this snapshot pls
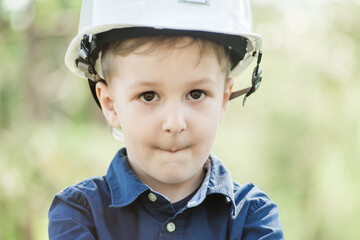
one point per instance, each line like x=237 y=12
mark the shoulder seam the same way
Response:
x=76 y=195
x=255 y=205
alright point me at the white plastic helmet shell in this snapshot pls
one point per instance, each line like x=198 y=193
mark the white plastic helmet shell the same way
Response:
x=219 y=16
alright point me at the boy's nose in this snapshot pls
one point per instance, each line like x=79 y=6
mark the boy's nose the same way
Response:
x=174 y=119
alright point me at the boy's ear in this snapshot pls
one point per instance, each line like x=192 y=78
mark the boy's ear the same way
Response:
x=227 y=92
x=107 y=103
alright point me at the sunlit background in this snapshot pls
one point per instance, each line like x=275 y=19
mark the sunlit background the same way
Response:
x=298 y=137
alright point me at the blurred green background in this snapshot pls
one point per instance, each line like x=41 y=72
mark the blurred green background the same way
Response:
x=298 y=137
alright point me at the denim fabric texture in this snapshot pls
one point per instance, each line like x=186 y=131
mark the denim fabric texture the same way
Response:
x=120 y=206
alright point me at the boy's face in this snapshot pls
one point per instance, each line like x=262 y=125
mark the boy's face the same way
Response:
x=168 y=104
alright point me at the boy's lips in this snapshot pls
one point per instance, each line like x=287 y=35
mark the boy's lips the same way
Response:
x=173 y=149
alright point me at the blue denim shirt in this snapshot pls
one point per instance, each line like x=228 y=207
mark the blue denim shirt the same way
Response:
x=120 y=206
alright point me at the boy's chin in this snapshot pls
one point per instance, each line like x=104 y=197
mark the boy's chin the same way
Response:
x=178 y=177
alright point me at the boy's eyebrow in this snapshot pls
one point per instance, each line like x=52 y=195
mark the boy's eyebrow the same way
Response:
x=154 y=83
x=143 y=83
x=205 y=80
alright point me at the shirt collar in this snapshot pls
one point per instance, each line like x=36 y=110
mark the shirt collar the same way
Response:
x=218 y=180
x=125 y=187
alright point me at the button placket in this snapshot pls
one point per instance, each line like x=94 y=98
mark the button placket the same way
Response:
x=173 y=228
x=152 y=197
x=170 y=227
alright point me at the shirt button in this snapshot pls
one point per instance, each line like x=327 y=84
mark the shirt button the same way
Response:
x=152 y=197
x=170 y=227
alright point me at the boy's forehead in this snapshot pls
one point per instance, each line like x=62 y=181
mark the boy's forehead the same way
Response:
x=168 y=66
x=187 y=57
x=188 y=52
x=180 y=44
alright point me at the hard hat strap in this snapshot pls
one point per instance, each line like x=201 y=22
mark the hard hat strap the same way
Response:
x=92 y=85
x=255 y=81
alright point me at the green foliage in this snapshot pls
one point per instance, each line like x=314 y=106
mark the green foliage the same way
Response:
x=297 y=138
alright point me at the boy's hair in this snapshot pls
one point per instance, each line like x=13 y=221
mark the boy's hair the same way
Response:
x=126 y=46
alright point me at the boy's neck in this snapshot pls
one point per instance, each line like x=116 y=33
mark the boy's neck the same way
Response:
x=177 y=192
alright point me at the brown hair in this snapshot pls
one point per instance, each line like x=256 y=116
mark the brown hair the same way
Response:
x=127 y=46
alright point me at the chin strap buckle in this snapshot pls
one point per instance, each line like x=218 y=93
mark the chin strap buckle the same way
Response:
x=83 y=62
x=255 y=81
x=256 y=78
x=86 y=64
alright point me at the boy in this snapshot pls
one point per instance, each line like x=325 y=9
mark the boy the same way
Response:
x=167 y=88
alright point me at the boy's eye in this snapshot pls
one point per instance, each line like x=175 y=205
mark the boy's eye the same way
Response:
x=149 y=96
x=196 y=95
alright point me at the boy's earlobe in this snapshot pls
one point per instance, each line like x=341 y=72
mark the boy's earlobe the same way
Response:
x=228 y=87
x=227 y=92
x=107 y=104
x=231 y=82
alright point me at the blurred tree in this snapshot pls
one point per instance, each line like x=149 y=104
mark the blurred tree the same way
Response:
x=299 y=135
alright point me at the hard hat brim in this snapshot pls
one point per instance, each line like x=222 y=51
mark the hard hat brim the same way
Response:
x=244 y=44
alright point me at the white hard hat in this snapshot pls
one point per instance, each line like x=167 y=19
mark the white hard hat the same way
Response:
x=228 y=22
